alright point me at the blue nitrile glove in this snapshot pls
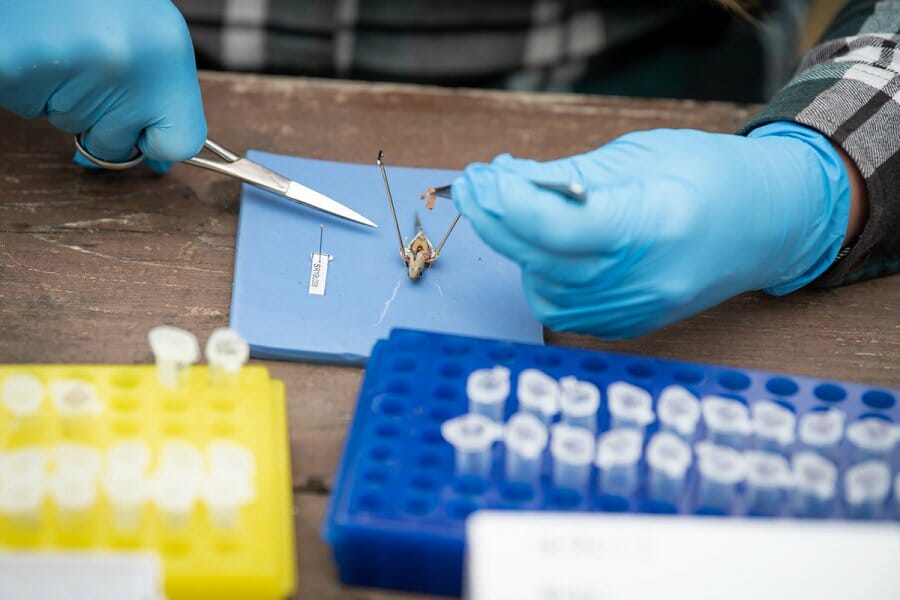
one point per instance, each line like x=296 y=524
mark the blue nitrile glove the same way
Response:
x=121 y=72
x=675 y=221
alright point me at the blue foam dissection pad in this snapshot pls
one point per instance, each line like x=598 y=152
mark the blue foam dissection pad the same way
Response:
x=470 y=289
x=397 y=511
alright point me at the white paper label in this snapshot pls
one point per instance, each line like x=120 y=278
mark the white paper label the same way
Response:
x=319 y=273
x=81 y=575
x=553 y=556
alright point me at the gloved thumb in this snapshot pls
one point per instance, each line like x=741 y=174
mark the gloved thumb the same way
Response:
x=563 y=170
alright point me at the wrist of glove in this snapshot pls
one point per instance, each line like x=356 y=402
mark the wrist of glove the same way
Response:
x=121 y=73
x=675 y=221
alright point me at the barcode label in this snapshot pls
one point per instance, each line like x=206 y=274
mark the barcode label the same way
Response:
x=319 y=273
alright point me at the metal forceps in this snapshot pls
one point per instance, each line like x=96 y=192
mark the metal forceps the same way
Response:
x=250 y=172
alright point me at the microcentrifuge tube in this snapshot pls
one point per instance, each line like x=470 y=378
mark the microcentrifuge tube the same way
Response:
x=538 y=393
x=76 y=460
x=679 y=411
x=224 y=497
x=572 y=450
x=822 y=431
x=226 y=353
x=231 y=460
x=174 y=350
x=525 y=438
x=74 y=495
x=181 y=458
x=773 y=426
x=618 y=453
x=175 y=495
x=27 y=462
x=872 y=438
x=23 y=395
x=487 y=390
x=815 y=480
x=668 y=457
x=579 y=402
x=866 y=487
x=74 y=398
x=727 y=421
x=132 y=456
x=769 y=479
x=21 y=499
x=721 y=469
x=473 y=437
x=127 y=493
x=629 y=405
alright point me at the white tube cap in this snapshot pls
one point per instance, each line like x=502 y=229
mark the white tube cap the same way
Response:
x=868 y=481
x=27 y=462
x=630 y=402
x=173 y=345
x=822 y=428
x=538 y=392
x=73 y=397
x=679 y=409
x=126 y=488
x=525 y=435
x=578 y=398
x=767 y=469
x=471 y=431
x=230 y=459
x=772 y=421
x=619 y=448
x=23 y=395
x=720 y=463
x=488 y=386
x=227 y=350
x=814 y=474
x=572 y=445
x=873 y=434
x=725 y=415
x=131 y=456
x=73 y=492
x=181 y=459
x=77 y=460
x=668 y=453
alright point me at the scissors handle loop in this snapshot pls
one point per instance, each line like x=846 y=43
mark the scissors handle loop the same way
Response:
x=137 y=157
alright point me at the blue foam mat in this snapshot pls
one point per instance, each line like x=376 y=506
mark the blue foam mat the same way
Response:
x=396 y=517
x=470 y=290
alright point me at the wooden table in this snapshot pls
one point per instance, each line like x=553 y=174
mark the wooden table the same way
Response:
x=90 y=261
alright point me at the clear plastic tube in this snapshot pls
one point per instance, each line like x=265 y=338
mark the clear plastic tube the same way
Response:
x=668 y=457
x=629 y=405
x=618 y=453
x=538 y=393
x=175 y=496
x=572 y=449
x=226 y=352
x=472 y=436
x=127 y=493
x=74 y=495
x=773 y=426
x=224 y=497
x=579 y=403
x=768 y=481
x=872 y=438
x=815 y=481
x=21 y=499
x=182 y=459
x=23 y=395
x=231 y=460
x=131 y=456
x=77 y=460
x=822 y=431
x=27 y=462
x=727 y=421
x=679 y=411
x=174 y=351
x=525 y=439
x=866 y=487
x=721 y=469
x=487 y=390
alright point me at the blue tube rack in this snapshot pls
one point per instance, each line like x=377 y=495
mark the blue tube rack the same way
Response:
x=397 y=513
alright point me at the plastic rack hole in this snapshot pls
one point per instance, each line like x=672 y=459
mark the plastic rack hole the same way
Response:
x=418 y=506
x=829 y=392
x=470 y=485
x=125 y=402
x=878 y=399
x=594 y=364
x=460 y=509
x=388 y=404
x=454 y=347
x=565 y=498
x=439 y=414
x=688 y=375
x=398 y=386
x=375 y=476
x=387 y=430
x=782 y=386
x=380 y=453
x=370 y=502
x=450 y=370
x=734 y=380
x=126 y=380
x=432 y=435
x=444 y=392
x=428 y=460
x=502 y=352
x=424 y=482
x=403 y=364
x=641 y=370
x=547 y=358
x=517 y=492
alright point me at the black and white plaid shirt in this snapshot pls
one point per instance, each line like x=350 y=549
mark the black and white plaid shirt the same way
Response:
x=848 y=87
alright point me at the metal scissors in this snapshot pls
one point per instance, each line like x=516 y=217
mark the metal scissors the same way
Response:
x=249 y=172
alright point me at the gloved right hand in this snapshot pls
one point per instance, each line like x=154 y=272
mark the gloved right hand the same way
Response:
x=121 y=73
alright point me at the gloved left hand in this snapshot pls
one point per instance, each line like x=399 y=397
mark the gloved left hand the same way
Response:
x=675 y=221
x=120 y=72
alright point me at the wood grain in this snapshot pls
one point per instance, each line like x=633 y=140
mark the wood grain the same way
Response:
x=90 y=261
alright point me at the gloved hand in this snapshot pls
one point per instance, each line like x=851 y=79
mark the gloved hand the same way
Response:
x=121 y=72
x=675 y=221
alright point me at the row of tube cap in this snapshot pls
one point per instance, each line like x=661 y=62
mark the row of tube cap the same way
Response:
x=73 y=476
x=811 y=476
x=174 y=351
x=728 y=422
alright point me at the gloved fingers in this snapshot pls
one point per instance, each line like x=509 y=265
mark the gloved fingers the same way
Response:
x=544 y=218
x=113 y=137
x=180 y=134
x=563 y=170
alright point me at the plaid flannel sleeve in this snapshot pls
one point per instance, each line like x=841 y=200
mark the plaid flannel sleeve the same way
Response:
x=848 y=89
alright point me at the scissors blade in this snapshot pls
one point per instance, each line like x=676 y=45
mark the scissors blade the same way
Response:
x=310 y=197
